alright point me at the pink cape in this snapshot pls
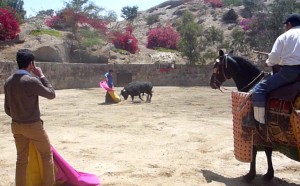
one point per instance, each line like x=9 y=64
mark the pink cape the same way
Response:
x=104 y=85
x=68 y=175
x=65 y=174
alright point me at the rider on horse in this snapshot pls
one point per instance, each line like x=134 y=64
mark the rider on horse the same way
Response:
x=285 y=53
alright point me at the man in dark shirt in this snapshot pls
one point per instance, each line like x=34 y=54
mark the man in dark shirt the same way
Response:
x=109 y=78
x=22 y=91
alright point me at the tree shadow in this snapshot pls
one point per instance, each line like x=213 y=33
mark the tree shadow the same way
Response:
x=258 y=180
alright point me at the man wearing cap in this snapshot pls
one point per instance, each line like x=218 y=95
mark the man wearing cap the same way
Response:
x=285 y=53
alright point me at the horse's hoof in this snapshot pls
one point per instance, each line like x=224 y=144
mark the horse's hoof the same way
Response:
x=268 y=176
x=248 y=177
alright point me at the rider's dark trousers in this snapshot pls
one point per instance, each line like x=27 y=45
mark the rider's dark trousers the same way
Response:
x=287 y=74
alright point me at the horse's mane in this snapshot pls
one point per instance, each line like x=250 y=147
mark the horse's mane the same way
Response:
x=243 y=71
x=245 y=65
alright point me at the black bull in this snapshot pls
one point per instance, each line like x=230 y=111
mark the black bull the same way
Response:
x=136 y=89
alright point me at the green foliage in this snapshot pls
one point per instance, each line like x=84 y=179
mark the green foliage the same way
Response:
x=189 y=42
x=120 y=51
x=214 y=35
x=232 y=2
x=297 y=7
x=151 y=19
x=76 y=5
x=209 y=54
x=86 y=7
x=254 y=5
x=165 y=50
x=111 y=16
x=239 y=41
x=129 y=13
x=89 y=38
x=267 y=27
x=89 y=42
x=48 y=12
x=17 y=5
x=3 y=4
x=45 y=31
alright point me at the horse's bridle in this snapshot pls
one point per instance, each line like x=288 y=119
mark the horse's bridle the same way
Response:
x=220 y=69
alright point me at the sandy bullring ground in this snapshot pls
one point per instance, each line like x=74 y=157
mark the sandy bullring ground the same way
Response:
x=182 y=138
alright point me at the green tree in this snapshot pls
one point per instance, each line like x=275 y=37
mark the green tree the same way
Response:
x=3 y=4
x=110 y=16
x=254 y=5
x=48 y=12
x=190 y=32
x=266 y=27
x=151 y=19
x=17 y=5
x=214 y=35
x=129 y=13
x=232 y=2
x=239 y=41
x=85 y=7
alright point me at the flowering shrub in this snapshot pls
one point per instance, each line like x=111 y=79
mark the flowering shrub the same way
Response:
x=245 y=24
x=55 y=22
x=164 y=37
x=69 y=18
x=9 y=26
x=125 y=41
x=97 y=24
x=129 y=28
x=214 y=3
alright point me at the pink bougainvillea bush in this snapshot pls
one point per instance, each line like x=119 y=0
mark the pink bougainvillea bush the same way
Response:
x=68 y=18
x=9 y=26
x=214 y=3
x=245 y=24
x=163 y=37
x=125 y=41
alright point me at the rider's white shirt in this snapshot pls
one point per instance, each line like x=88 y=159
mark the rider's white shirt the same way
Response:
x=286 y=49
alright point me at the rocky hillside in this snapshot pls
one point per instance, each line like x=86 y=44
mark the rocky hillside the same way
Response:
x=54 y=49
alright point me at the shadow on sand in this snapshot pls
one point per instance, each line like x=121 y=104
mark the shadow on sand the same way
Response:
x=258 y=181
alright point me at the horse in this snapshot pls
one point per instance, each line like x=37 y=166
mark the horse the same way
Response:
x=245 y=76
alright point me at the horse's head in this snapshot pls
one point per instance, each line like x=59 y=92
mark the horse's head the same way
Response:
x=243 y=72
x=220 y=74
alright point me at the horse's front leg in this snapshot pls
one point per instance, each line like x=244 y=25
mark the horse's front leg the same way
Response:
x=270 y=174
x=252 y=172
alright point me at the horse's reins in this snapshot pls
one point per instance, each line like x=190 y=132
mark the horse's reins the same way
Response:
x=253 y=81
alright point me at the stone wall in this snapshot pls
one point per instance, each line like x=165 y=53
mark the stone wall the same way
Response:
x=69 y=76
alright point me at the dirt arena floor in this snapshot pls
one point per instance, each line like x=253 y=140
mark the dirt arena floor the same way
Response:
x=183 y=137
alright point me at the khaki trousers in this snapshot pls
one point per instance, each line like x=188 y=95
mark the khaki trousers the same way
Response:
x=34 y=132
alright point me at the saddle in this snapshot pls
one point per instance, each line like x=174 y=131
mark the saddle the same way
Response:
x=287 y=92
x=283 y=119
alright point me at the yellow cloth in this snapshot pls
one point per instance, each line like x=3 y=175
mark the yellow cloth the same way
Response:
x=34 y=172
x=114 y=96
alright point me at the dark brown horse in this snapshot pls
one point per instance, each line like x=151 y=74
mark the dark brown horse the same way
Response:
x=283 y=104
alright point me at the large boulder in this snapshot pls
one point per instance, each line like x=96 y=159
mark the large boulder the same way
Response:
x=54 y=53
x=87 y=56
x=50 y=48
